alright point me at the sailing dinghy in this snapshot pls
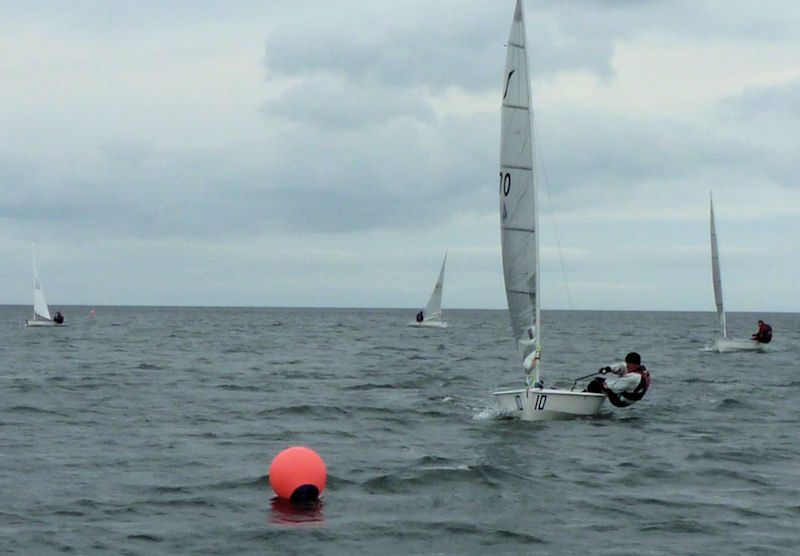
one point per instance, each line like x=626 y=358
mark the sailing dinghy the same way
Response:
x=519 y=238
x=724 y=343
x=431 y=316
x=41 y=313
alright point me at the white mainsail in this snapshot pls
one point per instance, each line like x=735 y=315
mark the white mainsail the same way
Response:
x=518 y=211
x=433 y=310
x=519 y=239
x=717 y=277
x=432 y=314
x=40 y=309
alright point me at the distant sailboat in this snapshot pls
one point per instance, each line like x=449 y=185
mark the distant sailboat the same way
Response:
x=41 y=312
x=520 y=244
x=431 y=316
x=724 y=343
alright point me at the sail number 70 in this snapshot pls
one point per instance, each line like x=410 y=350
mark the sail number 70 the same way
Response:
x=505 y=183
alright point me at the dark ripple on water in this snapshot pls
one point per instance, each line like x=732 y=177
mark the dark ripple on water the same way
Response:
x=151 y=430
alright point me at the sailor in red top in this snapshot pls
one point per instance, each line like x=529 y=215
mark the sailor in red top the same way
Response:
x=764 y=334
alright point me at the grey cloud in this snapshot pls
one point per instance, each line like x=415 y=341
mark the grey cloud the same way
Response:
x=779 y=102
x=766 y=124
x=329 y=101
x=404 y=174
x=418 y=47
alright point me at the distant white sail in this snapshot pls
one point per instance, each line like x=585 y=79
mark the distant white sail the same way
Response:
x=40 y=309
x=725 y=343
x=41 y=313
x=433 y=310
x=432 y=315
x=717 y=277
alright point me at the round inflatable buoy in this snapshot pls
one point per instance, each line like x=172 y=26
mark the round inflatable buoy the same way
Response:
x=297 y=474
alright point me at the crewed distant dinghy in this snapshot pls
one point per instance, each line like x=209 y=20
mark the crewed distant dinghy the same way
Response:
x=724 y=344
x=519 y=238
x=431 y=317
x=41 y=313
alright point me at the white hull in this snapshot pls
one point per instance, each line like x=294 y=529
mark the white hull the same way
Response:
x=429 y=324
x=32 y=322
x=547 y=405
x=726 y=345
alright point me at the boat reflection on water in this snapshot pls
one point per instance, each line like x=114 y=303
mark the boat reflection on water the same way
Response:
x=285 y=512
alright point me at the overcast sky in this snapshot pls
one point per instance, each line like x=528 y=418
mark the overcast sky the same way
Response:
x=318 y=153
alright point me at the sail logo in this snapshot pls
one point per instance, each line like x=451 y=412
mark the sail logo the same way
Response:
x=508 y=80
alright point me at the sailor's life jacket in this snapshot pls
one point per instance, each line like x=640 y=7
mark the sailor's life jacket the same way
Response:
x=624 y=399
x=764 y=334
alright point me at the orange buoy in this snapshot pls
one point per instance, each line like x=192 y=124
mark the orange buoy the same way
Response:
x=297 y=474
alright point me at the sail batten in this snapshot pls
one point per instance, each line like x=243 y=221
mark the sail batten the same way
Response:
x=521 y=292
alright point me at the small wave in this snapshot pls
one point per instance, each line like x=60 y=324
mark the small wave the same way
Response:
x=700 y=380
x=389 y=348
x=144 y=537
x=679 y=525
x=69 y=513
x=148 y=367
x=325 y=411
x=34 y=410
x=371 y=386
x=731 y=403
x=491 y=414
x=241 y=349
x=291 y=362
x=237 y=388
x=171 y=489
x=435 y=473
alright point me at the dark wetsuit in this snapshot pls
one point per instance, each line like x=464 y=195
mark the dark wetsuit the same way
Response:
x=764 y=334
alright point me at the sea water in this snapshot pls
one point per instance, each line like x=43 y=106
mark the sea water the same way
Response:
x=142 y=430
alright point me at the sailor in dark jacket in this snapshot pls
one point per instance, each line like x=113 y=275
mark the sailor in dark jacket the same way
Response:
x=764 y=334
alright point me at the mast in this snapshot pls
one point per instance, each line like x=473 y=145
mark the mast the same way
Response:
x=518 y=206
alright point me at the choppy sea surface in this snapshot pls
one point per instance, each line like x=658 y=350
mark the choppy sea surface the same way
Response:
x=142 y=430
